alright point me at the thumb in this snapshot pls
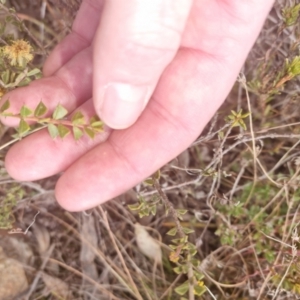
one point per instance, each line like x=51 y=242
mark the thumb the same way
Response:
x=135 y=41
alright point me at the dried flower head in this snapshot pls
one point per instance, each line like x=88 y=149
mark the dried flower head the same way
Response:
x=19 y=53
x=174 y=257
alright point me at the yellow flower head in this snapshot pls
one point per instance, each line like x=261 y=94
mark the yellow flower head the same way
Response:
x=19 y=53
x=200 y=283
x=174 y=257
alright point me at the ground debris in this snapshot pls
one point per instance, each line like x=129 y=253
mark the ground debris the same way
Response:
x=13 y=279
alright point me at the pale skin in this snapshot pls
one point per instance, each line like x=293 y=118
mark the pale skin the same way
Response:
x=175 y=62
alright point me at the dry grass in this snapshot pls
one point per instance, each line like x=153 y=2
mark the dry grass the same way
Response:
x=240 y=187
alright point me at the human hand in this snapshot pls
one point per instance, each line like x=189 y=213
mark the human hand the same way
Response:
x=185 y=55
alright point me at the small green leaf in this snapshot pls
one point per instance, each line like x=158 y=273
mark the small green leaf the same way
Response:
x=182 y=289
x=187 y=230
x=245 y=115
x=178 y=270
x=172 y=231
x=20 y=77
x=192 y=250
x=59 y=112
x=5 y=76
x=185 y=269
x=180 y=217
x=156 y=175
x=94 y=120
x=25 y=111
x=24 y=82
x=291 y=14
x=135 y=206
x=96 y=123
x=293 y=67
x=63 y=131
x=153 y=210
x=98 y=127
x=33 y=72
x=176 y=241
x=199 y=289
x=23 y=127
x=148 y=181
x=182 y=211
x=5 y=106
x=198 y=275
x=78 y=118
x=77 y=133
x=89 y=132
x=195 y=262
x=40 y=110
x=53 y=131
x=144 y=212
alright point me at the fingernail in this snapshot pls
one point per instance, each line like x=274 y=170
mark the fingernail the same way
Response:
x=122 y=104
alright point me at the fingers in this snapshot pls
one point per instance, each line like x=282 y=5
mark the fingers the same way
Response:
x=174 y=117
x=190 y=90
x=38 y=155
x=134 y=43
x=81 y=37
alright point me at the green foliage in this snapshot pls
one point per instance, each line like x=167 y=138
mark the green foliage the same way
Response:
x=290 y=280
x=145 y=208
x=236 y=119
x=78 y=119
x=183 y=288
x=53 y=131
x=290 y=14
x=57 y=126
x=293 y=66
x=59 y=112
x=40 y=110
x=15 y=70
x=5 y=106
x=25 y=111
x=228 y=236
x=271 y=80
x=23 y=127
x=77 y=133
x=63 y=131
x=182 y=254
x=183 y=251
x=7 y=203
x=172 y=231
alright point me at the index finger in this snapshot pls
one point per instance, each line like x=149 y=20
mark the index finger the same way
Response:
x=81 y=37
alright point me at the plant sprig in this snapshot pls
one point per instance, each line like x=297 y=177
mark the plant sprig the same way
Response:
x=183 y=252
x=57 y=124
